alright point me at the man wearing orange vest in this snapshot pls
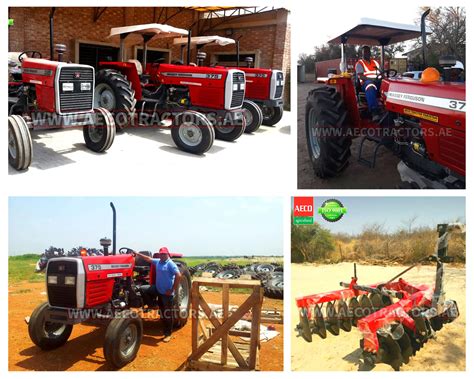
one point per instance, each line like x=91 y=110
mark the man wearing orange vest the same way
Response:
x=367 y=69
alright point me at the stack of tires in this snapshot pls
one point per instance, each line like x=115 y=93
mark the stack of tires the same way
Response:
x=269 y=274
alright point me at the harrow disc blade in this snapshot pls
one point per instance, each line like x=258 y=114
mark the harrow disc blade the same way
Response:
x=386 y=300
x=376 y=300
x=304 y=327
x=366 y=305
x=405 y=347
x=344 y=317
x=319 y=325
x=415 y=343
x=390 y=352
x=355 y=310
x=436 y=323
x=332 y=324
x=423 y=328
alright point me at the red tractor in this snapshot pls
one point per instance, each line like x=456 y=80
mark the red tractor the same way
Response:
x=102 y=289
x=264 y=87
x=202 y=102
x=395 y=318
x=48 y=94
x=423 y=123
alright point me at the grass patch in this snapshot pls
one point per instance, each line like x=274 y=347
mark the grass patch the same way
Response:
x=22 y=268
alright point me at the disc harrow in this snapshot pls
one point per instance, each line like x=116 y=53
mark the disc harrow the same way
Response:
x=396 y=318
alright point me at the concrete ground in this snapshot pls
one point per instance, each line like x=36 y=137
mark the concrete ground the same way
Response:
x=356 y=176
x=148 y=156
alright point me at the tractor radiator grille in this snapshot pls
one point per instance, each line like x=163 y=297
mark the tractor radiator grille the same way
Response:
x=279 y=86
x=238 y=78
x=76 y=97
x=60 y=294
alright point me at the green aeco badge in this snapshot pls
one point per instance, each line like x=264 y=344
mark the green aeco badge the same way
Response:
x=332 y=210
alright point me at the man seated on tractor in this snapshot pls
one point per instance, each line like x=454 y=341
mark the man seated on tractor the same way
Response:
x=165 y=286
x=367 y=69
x=455 y=73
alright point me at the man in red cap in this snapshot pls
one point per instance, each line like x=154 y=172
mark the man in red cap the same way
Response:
x=165 y=287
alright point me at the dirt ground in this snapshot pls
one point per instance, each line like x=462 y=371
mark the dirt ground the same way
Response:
x=447 y=352
x=84 y=352
x=356 y=176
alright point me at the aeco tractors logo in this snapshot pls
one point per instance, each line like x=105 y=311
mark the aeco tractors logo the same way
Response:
x=303 y=211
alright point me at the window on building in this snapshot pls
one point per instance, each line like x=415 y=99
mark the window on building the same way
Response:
x=93 y=54
x=230 y=60
x=153 y=56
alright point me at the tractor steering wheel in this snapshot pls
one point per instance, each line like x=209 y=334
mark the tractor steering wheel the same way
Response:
x=391 y=73
x=34 y=54
x=126 y=250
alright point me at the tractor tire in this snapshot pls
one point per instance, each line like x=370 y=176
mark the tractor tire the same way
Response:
x=101 y=136
x=20 y=145
x=273 y=287
x=253 y=116
x=326 y=113
x=230 y=133
x=45 y=334
x=182 y=299
x=229 y=274
x=114 y=92
x=123 y=338
x=272 y=115
x=193 y=132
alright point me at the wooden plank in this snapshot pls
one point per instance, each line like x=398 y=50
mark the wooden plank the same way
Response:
x=225 y=316
x=223 y=328
x=215 y=322
x=203 y=329
x=233 y=283
x=255 y=329
x=195 y=316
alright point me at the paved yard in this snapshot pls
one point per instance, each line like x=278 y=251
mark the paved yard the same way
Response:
x=146 y=156
x=384 y=175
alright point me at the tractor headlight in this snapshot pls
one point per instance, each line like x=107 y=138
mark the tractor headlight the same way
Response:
x=69 y=280
x=68 y=87
x=52 y=279
x=85 y=86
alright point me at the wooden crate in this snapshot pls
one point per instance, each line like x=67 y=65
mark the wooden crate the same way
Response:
x=210 y=350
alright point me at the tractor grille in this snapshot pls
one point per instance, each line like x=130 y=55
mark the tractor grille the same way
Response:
x=60 y=294
x=77 y=99
x=279 y=85
x=239 y=93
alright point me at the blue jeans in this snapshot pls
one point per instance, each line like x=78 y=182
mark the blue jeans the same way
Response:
x=371 y=89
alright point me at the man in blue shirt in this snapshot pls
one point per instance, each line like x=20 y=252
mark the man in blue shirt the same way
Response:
x=165 y=287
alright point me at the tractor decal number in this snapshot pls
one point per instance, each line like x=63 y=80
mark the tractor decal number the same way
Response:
x=432 y=101
x=256 y=75
x=192 y=75
x=37 y=71
x=112 y=266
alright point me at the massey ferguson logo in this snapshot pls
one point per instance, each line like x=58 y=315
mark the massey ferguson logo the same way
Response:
x=77 y=75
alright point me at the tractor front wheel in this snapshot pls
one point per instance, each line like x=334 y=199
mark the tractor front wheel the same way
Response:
x=231 y=132
x=272 y=115
x=329 y=144
x=123 y=338
x=100 y=136
x=20 y=146
x=193 y=132
x=46 y=334
x=253 y=116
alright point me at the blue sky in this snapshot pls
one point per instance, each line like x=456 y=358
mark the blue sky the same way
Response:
x=192 y=226
x=393 y=212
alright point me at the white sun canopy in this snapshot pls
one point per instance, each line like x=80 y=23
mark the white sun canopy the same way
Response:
x=135 y=33
x=376 y=32
x=205 y=40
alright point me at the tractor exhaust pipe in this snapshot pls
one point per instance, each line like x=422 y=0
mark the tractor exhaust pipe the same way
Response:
x=114 y=228
x=237 y=50
x=51 y=33
x=188 y=53
x=423 y=35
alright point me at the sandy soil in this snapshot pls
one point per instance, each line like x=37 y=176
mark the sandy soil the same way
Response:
x=447 y=352
x=83 y=351
x=384 y=175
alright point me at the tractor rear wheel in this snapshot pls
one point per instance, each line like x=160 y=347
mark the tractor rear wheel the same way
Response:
x=272 y=115
x=114 y=92
x=100 y=136
x=193 y=132
x=47 y=335
x=329 y=145
x=182 y=297
x=253 y=116
x=123 y=338
x=20 y=146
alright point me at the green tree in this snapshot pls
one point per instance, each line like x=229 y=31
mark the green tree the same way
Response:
x=310 y=243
